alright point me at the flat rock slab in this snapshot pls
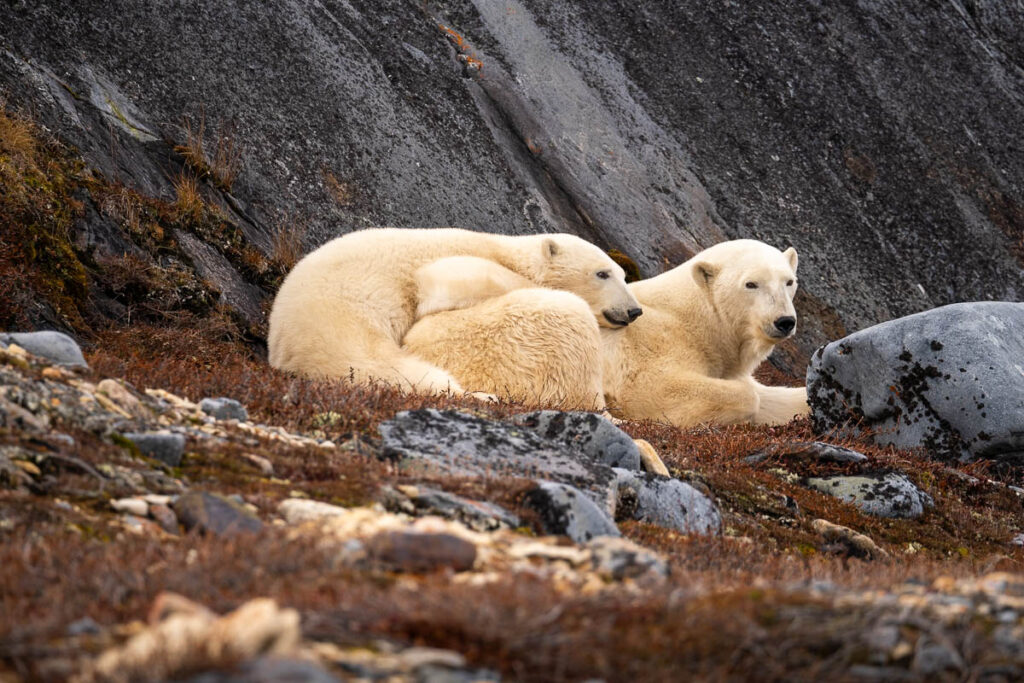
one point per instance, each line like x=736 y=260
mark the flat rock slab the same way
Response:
x=475 y=514
x=56 y=347
x=807 y=452
x=590 y=433
x=213 y=514
x=410 y=551
x=466 y=445
x=950 y=380
x=879 y=495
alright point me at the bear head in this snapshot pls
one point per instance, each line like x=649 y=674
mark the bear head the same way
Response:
x=575 y=265
x=751 y=286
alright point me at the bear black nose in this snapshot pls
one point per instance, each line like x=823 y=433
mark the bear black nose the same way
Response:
x=785 y=324
x=634 y=313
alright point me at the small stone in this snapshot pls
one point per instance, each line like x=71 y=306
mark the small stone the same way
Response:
x=564 y=509
x=620 y=558
x=477 y=515
x=855 y=543
x=139 y=525
x=931 y=658
x=421 y=552
x=54 y=372
x=297 y=510
x=133 y=506
x=224 y=409
x=167 y=447
x=53 y=346
x=86 y=626
x=259 y=462
x=210 y=513
x=165 y=517
x=119 y=394
x=666 y=502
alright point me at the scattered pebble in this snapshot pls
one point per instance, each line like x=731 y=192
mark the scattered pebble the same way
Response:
x=224 y=409
x=167 y=447
x=210 y=513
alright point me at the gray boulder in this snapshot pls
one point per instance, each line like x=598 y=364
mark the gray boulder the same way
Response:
x=879 y=495
x=566 y=510
x=588 y=432
x=666 y=502
x=224 y=409
x=576 y=494
x=466 y=445
x=950 y=380
x=54 y=346
x=167 y=447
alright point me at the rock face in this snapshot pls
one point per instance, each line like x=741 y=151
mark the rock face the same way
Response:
x=657 y=128
x=949 y=380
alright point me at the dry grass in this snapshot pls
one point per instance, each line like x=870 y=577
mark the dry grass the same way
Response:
x=188 y=200
x=17 y=136
x=223 y=168
x=287 y=245
x=343 y=193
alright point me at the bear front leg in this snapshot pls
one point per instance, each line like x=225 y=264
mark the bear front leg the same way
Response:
x=689 y=399
x=779 y=405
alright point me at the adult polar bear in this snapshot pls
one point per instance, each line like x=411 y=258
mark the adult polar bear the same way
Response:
x=345 y=307
x=707 y=325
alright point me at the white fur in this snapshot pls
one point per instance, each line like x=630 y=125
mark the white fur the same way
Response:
x=345 y=307
x=538 y=346
x=688 y=359
x=691 y=357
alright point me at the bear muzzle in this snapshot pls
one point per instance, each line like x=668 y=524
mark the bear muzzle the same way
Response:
x=619 y=318
x=784 y=326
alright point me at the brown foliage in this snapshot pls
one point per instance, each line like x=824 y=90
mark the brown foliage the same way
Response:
x=223 y=168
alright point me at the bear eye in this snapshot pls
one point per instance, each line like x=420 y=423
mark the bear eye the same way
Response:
x=603 y=274
x=789 y=283
x=751 y=285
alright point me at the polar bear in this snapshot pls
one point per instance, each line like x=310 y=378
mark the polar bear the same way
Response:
x=533 y=345
x=345 y=307
x=707 y=325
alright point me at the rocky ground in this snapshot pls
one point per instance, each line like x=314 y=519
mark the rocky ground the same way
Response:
x=306 y=533
x=171 y=507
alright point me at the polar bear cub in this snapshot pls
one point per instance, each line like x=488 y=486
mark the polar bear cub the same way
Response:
x=344 y=309
x=500 y=333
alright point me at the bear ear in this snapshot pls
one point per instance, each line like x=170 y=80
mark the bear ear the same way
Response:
x=791 y=255
x=704 y=272
x=550 y=248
